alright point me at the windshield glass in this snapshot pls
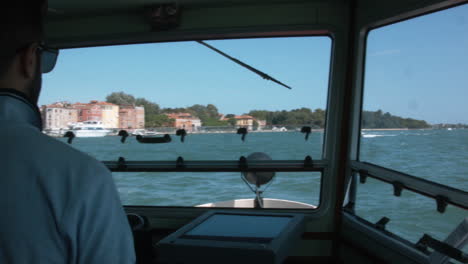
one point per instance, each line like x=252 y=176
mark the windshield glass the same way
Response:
x=231 y=98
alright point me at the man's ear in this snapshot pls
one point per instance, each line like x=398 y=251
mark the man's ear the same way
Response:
x=29 y=61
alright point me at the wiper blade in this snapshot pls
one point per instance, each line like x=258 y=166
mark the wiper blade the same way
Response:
x=262 y=74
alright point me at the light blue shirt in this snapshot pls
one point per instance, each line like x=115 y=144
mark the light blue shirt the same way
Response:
x=57 y=205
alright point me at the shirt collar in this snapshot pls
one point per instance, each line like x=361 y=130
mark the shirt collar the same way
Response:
x=16 y=107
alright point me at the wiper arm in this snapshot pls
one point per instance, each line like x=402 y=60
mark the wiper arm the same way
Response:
x=262 y=74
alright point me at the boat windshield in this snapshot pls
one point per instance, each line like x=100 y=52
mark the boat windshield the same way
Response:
x=212 y=108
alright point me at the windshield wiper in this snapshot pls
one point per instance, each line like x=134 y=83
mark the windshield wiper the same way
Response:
x=262 y=74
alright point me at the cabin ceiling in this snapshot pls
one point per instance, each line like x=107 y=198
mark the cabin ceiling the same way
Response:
x=106 y=22
x=85 y=6
x=110 y=22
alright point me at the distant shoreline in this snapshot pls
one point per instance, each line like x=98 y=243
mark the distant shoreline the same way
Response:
x=389 y=129
x=257 y=131
x=394 y=129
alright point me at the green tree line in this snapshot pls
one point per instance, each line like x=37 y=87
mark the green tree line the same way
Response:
x=209 y=115
x=316 y=118
x=378 y=119
x=155 y=116
x=301 y=116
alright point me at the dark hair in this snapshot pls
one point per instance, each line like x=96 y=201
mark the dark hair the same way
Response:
x=21 y=24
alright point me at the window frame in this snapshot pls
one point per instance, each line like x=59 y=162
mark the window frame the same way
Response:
x=319 y=165
x=356 y=167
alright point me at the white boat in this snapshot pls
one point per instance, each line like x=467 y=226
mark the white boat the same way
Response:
x=89 y=129
x=138 y=132
x=143 y=132
x=279 y=129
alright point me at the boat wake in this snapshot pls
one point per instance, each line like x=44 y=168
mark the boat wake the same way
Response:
x=375 y=135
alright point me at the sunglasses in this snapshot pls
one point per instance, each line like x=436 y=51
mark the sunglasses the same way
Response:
x=48 y=57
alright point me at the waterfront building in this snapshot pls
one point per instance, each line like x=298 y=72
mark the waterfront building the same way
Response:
x=109 y=114
x=58 y=116
x=140 y=116
x=131 y=117
x=185 y=121
x=63 y=115
x=244 y=121
x=88 y=112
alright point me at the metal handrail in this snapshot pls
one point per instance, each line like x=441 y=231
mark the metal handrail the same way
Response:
x=180 y=165
x=441 y=193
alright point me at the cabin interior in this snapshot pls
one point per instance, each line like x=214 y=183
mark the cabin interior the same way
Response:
x=333 y=232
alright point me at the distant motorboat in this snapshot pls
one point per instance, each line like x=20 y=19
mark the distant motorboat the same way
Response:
x=138 y=132
x=90 y=129
x=279 y=129
x=143 y=132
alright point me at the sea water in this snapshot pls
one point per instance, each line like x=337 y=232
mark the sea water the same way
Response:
x=436 y=155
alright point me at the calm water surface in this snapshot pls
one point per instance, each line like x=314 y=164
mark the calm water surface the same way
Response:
x=437 y=155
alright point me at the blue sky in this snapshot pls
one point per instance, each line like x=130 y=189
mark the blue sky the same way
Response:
x=186 y=73
x=419 y=68
x=416 y=68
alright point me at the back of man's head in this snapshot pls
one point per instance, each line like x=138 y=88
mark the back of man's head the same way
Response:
x=21 y=24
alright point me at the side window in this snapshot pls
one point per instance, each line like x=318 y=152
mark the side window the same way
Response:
x=415 y=120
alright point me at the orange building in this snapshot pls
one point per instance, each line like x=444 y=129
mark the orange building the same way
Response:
x=88 y=112
x=246 y=121
x=185 y=121
x=131 y=117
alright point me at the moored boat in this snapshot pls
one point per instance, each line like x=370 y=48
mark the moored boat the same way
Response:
x=89 y=129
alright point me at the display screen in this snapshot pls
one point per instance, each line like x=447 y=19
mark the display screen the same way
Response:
x=240 y=227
